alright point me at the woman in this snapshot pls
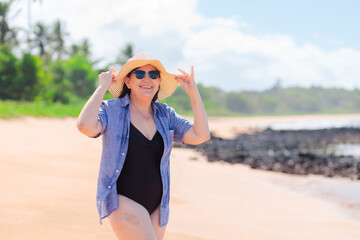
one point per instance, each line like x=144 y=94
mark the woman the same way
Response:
x=133 y=184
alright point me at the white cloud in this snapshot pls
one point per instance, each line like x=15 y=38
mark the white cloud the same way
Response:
x=221 y=52
x=243 y=61
x=159 y=17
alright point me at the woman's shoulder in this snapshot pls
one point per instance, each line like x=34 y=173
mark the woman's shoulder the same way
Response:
x=163 y=107
x=165 y=110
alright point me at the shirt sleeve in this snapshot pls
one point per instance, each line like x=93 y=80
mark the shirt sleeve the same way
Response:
x=180 y=125
x=102 y=117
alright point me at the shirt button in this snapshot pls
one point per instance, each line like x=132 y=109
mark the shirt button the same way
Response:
x=98 y=202
x=117 y=170
x=123 y=154
x=109 y=186
x=127 y=136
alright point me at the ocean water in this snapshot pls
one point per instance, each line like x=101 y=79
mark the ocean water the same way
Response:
x=341 y=191
x=348 y=150
x=315 y=124
x=340 y=149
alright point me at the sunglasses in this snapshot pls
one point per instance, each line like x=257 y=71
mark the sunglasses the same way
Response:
x=139 y=74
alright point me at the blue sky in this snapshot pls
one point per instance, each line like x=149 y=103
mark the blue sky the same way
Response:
x=327 y=23
x=235 y=45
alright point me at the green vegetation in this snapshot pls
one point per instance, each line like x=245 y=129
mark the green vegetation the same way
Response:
x=14 y=109
x=286 y=101
x=50 y=78
x=275 y=101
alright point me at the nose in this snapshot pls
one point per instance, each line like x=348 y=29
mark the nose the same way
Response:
x=147 y=77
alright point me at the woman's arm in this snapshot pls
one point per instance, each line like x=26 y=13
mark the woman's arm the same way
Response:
x=87 y=122
x=199 y=132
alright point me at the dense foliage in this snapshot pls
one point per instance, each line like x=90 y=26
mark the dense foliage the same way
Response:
x=30 y=78
x=275 y=101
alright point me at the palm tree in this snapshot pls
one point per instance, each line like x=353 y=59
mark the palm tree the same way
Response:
x=4 y=26
x=126 y=53
x=74 y=49
x=58 y=38
x=41 y=38
x=85 y=47
x=82 y=48
x=29 y=30
x=12 y=38
x=8 y=35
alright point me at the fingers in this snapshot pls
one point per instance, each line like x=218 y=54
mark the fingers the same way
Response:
x=113 y=72
x=181 y=81
x=186 y=74
x=108 y=74
x=183 y=72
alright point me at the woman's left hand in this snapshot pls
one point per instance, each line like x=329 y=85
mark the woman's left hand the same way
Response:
x=187 y=81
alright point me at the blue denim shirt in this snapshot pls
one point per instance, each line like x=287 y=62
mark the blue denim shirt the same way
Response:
x=114 y=115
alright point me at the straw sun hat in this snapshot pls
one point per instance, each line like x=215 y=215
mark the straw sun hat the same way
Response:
x=167 y=85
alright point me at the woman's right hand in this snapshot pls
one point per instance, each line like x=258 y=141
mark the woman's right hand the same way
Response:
x=106 y=79
x=88 y=122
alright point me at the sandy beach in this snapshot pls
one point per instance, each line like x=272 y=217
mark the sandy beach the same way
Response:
x=48 y=179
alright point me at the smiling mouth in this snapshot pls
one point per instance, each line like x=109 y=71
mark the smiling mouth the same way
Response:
x=146 y=87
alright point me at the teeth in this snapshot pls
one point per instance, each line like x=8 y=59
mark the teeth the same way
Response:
x=148 y=87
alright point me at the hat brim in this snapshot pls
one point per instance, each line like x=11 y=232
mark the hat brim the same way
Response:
x=168 y=82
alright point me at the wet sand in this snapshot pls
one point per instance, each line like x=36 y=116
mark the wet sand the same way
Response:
x=48 y=178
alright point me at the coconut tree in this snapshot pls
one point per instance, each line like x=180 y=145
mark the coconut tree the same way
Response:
x=5 y=32
x=85 y=47
x=12 y=37
x=82 y=48
x=58 y=38
x=8 y=35
x=4 y=27
x=74 y=49
x=29 y=30
x=41 y=38
x=126 y=53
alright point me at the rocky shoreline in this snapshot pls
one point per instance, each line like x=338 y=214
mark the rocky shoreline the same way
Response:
x=299 y=152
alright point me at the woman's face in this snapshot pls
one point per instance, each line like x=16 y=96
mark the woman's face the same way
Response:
x=145 y=87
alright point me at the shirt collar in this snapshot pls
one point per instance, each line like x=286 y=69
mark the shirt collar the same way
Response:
x=124 y=101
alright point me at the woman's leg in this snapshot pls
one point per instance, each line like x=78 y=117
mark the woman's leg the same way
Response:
x=155 y=220
x=131 y=221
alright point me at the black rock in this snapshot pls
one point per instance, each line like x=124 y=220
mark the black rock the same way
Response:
x=295 y=152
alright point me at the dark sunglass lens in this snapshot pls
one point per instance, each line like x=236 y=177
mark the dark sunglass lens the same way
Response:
x=154 y=74
x=139 y=74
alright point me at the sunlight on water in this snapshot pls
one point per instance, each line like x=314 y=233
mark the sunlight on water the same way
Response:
x=348 y=150
x=315 y=124
x=340 y=149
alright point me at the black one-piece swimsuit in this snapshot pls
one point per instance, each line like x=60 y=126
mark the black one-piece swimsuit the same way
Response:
x=140 y=178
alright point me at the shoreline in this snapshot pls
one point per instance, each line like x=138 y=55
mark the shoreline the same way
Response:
x=342 y=193
x=229 y=127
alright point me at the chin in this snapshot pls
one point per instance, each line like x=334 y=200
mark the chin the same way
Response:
x=147 y=95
